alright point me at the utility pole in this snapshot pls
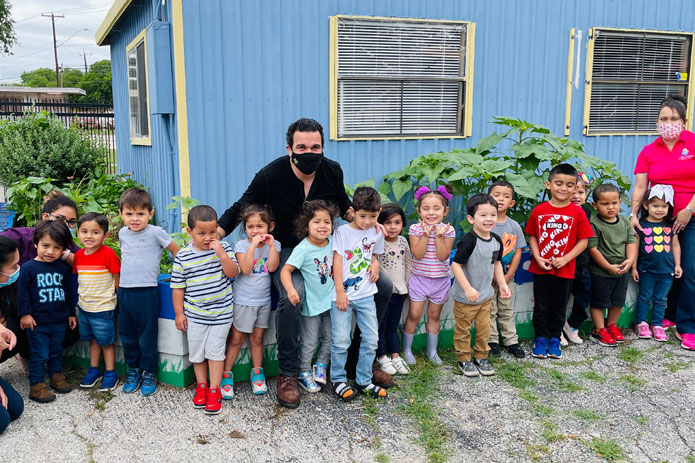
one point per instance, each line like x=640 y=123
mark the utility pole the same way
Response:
x=55 y=45
x=84 y=55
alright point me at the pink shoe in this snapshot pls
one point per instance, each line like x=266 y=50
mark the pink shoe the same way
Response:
x=688 y=341
x=668 y=323
x=643 y=331
x=659 y=334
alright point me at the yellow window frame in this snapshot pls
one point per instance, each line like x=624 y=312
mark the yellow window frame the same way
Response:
x=333 y=78
x=142 y=141
x=589 y=79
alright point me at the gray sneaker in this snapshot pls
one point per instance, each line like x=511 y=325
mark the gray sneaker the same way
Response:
x=468 y=368
x=484 y=367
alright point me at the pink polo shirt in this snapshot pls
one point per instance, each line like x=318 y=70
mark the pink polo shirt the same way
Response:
x=675 y=167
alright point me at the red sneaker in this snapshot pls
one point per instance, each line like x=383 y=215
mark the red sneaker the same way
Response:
x=615 y=332
x=603 y=337
x=201 y=395
x=214 y=404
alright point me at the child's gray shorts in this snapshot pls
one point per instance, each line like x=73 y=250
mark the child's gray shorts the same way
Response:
x=247 y=317
x=207 y=342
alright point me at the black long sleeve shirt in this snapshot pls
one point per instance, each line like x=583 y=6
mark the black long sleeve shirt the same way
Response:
x=278 y=186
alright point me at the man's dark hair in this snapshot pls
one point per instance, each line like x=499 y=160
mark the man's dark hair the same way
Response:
x=562 y=169
x=477 y=200
x=604 y=188
x=501 y=182
x=367 y=199
x=303 y=125
x=135 y=198
x=56 y=231
x=201 y=214
x=390 y=209
x=100 y=219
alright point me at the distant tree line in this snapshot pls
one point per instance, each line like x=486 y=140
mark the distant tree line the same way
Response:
x=96 y=81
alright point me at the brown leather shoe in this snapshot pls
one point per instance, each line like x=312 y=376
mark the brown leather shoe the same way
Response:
x=40 y=393
x=288 y=392
x=59 y=384
x=381 y=378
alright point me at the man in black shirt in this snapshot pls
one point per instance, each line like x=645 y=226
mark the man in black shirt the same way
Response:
x=285 y=184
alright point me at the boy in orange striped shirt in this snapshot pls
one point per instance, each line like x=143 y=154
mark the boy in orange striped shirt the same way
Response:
x=98 y=269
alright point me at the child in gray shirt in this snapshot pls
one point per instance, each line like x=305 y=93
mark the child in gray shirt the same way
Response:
x=476 y=261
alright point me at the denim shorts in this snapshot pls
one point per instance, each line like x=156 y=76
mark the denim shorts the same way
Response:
x=97 y=325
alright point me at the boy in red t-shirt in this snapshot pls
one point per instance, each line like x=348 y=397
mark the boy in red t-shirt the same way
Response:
x=558 y=232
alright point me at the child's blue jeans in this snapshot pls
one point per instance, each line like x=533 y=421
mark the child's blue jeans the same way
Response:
x=653 y=289
x=45 y=346
x=365 y=317
x=388 y=329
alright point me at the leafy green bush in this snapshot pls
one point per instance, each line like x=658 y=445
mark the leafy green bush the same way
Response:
x=39 y=145
x=523 y=155
x=100 y=193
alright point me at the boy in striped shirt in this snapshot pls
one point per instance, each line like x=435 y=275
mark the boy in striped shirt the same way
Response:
x=98 y=269
x=202 y=296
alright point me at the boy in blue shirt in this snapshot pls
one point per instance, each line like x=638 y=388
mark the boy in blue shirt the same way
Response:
x=138 y=296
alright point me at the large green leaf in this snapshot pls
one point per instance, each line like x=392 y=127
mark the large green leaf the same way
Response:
x=522 y=186
x=486 y=143
x=495 y=167
x=384 y=188
x=524 y=150
x=401 y=187
x=464 y=173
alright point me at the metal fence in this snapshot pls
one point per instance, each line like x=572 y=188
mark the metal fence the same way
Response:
x=95 y=120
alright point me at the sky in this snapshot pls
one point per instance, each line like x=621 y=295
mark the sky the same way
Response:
x=74 y=35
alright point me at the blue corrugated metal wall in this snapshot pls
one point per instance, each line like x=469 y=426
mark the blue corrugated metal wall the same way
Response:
x=254 y=67
x=155 y=166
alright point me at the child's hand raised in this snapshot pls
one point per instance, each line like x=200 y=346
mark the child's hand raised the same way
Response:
x=257 y=241
x=181 y=322
x=268 y=239
x=426 y=228
x=441 y=229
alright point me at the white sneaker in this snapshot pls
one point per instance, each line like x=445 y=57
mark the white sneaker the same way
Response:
x=401 y=367
x=386 y=365
x=572 y=334
x=563 y=341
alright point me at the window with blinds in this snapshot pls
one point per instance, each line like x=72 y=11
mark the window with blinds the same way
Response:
x=400 y=78
x=631 y=73
x=137 y=92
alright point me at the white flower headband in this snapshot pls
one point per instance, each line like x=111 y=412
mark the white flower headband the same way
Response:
x=663 y=192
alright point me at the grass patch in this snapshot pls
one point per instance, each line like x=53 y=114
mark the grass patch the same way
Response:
x=419 y=389
x=642 y=420
x=690 y=458
x=633 y=383
x=371 y=410
x=101 y=399
x=513 y=373
x=592 y=375
x=562 y=381
x=537 y=406
x=607 y=449
x=550 y=433
x=675 y=366
x=668 y=355
x=586 y=414
x=630 y=355
x=536 y=451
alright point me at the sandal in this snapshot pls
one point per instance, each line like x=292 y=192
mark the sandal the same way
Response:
x=344 y=391
x=372 y=390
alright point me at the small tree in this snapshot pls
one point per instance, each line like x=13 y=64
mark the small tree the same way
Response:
x=39 y=145
x=7 y=36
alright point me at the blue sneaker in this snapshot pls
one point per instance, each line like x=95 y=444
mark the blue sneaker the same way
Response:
x=227 y=385
x=320 y=373
x=554 y=349
x=91 y=378
x=109 y=382
x=132 y=380
x=540 y=347
x=306 y=382
x=149 y=383
x=258 y=381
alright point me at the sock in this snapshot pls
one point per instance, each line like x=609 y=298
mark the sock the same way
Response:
x=432 y=341
x=407 y=346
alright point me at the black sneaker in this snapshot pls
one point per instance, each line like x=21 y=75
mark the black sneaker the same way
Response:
x=484 y=367
x=468 y=368
x=516 y=351
x=495 y=349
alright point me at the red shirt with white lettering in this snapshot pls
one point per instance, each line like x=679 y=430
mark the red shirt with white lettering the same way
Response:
x=674 y=167
x=557 y=230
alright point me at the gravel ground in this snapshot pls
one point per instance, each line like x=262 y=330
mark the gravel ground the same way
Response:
x=631 y=403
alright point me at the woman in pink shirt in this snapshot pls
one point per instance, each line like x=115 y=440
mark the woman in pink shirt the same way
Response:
x=670 y=160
